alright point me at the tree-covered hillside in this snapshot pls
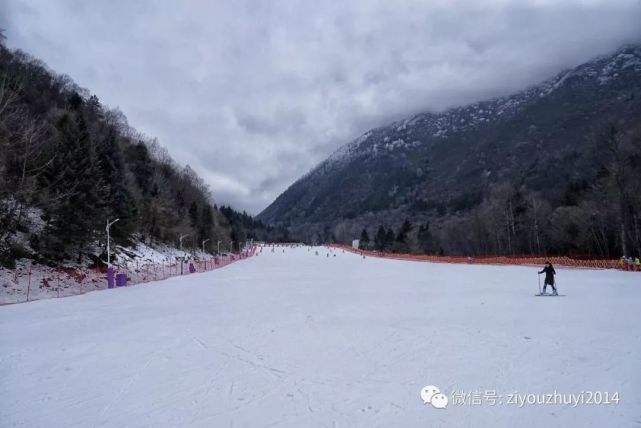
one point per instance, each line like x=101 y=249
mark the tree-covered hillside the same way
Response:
x=553 y=169
x=68 y=164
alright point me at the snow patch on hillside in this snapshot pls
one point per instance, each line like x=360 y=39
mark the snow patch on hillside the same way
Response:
x=461 y=119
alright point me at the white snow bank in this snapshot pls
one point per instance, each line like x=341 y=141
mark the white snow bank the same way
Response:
x=159 y=253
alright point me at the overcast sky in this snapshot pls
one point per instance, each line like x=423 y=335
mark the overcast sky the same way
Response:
x=253 y=94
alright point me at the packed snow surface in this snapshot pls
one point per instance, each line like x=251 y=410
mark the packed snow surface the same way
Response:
x=296 y=339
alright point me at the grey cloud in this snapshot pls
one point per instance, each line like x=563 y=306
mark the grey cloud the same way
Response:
x=281 y=121
x=254 y=94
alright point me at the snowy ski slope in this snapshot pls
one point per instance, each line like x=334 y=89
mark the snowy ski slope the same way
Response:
x=298 y=340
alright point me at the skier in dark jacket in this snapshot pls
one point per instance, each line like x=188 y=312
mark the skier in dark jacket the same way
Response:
x=549 y=272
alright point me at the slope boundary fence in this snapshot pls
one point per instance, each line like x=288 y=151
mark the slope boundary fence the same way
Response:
x=489 y=260
x=36 y=282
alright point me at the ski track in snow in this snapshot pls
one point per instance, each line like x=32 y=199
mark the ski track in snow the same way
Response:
x=293 y=339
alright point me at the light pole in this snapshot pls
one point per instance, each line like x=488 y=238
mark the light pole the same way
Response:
x=182 y=258
x=108 y=247
x=218 y=248
x=204 y=242
x=181 y=241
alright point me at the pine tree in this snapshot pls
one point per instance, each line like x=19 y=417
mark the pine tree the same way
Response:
x=140 y=164
x=193 y=214
x=118 y=199
x=364 y=241
x=425 y=239
x=379 y=240
x=76 y=189
x=401 y=244
x=389 y=239
x=206 y=223
x=404 y=231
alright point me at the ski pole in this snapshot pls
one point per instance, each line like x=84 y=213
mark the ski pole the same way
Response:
x=539 y=276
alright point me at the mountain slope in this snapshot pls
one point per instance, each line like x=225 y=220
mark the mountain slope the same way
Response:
x=68 y=164
x=435 y=167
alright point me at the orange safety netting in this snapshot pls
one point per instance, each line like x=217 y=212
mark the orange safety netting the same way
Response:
x=499 y=260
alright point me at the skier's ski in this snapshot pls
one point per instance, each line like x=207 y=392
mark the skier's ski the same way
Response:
x=550 y=295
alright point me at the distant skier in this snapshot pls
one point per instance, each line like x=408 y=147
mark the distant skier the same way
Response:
x=549 y=272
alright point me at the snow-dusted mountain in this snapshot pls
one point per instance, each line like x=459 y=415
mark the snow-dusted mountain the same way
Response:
x=601 y=71
x=436 y=164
